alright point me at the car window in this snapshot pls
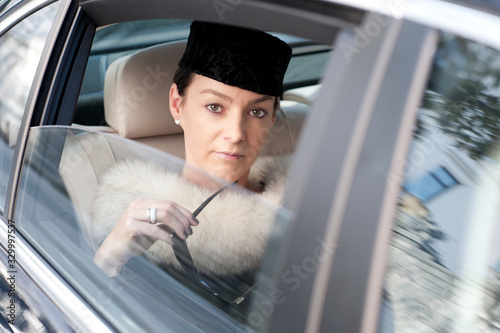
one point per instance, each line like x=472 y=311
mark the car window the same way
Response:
x=20 y=51
x=443 y=267
x=62 y=210
x=116 y=41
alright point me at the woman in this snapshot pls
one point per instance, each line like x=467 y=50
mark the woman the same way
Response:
x=225 y=96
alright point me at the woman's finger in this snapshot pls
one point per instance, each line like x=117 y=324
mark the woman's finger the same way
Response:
x=168 y=213
x=157 y=232
x=192 y=219
x=167 y=205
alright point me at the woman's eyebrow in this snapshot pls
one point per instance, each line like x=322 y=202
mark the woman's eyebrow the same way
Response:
x=261 y=99
x=229 y=99
x=218 y=94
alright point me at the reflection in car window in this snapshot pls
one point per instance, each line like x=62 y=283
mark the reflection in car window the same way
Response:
x=443 y=269
x=20 y=51
x=6 y=5
x=62 y=172
x=431 y=184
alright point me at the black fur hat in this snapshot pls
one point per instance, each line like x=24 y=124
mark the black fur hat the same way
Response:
x=249 y=59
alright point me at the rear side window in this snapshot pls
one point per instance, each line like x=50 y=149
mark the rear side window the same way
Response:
x=443 y=269
x=20 y=50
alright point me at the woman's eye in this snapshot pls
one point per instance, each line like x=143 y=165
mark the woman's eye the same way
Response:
x=258 y=113
x=214 y=108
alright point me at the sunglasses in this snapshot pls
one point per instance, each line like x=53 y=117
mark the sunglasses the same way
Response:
x=183 y=255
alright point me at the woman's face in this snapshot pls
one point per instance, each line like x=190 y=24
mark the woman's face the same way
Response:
x=225 y=127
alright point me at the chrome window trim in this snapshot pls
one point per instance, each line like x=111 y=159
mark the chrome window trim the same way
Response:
x=19 y=12
x=457 y=19
x=57 y=290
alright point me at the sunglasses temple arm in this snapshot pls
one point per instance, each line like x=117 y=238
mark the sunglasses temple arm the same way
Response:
x=206 y=202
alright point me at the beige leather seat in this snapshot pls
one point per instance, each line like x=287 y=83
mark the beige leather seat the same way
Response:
x=136 y=93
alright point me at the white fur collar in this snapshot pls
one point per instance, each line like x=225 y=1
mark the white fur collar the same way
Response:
x=233 y=229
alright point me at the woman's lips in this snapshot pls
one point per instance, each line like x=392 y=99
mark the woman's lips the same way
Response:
x=229 y=156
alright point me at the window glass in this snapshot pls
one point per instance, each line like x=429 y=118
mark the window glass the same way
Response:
x=60 y=206
x=20 y=51
x=443 y=269
x=65 y=210
x=306 y=69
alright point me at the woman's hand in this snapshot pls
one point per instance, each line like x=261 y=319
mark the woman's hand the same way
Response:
x=134 y=234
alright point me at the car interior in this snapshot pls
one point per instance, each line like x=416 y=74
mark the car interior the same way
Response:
x=122 y=114
x=135 y=98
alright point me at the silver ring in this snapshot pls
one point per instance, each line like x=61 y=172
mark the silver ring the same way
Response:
x=152 y=215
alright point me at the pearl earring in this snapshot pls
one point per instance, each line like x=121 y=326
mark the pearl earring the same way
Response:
x=177 y=121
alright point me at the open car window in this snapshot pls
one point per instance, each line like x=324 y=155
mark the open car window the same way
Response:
x=55 y=211
x=120 y=40
x=77 y=182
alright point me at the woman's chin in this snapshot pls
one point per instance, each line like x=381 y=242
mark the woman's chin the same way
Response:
x=228 y=178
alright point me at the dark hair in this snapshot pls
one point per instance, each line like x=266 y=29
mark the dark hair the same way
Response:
x=183 y=77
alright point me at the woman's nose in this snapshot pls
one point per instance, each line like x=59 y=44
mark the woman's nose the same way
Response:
x=235 y=129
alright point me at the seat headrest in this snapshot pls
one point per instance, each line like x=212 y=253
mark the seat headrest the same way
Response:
x=136 y=89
